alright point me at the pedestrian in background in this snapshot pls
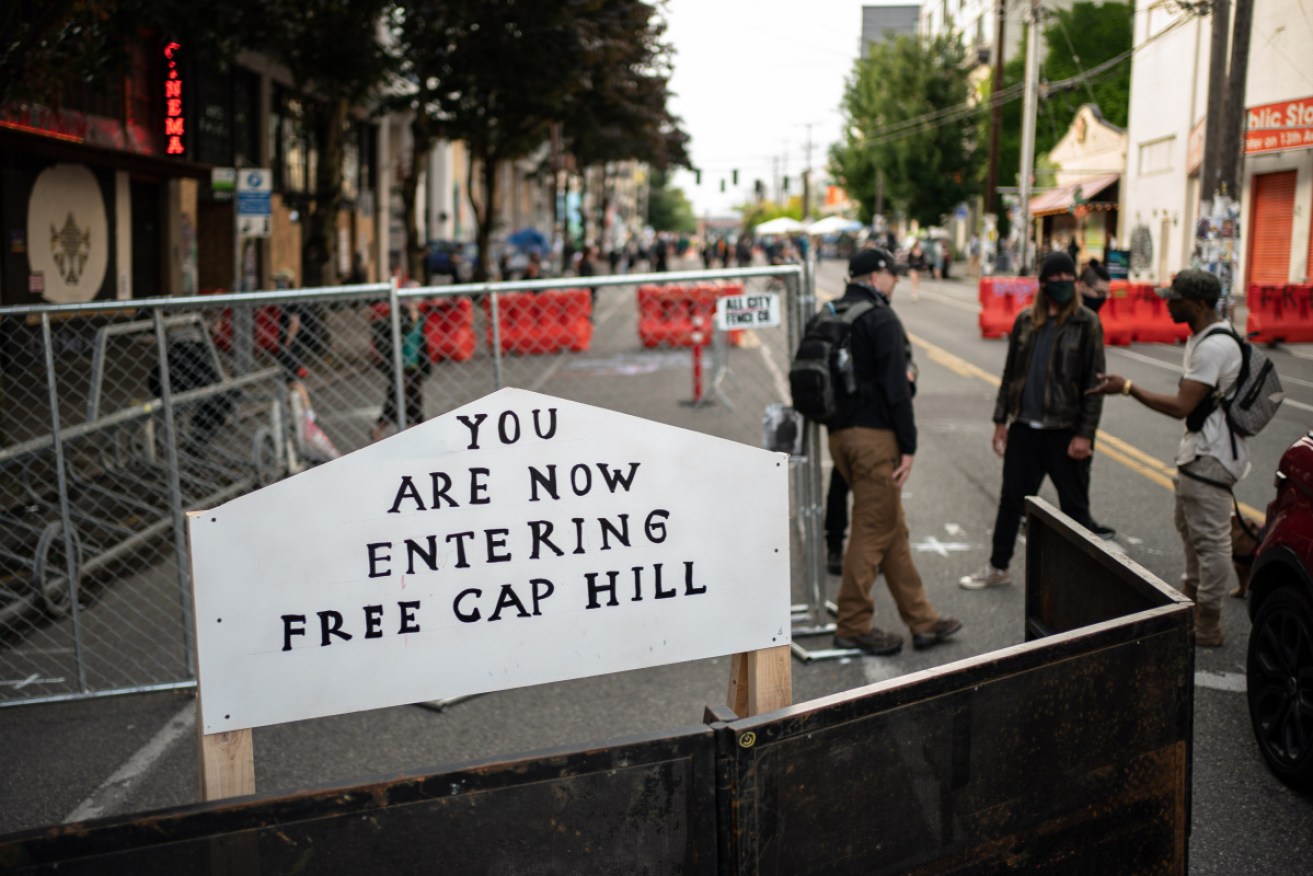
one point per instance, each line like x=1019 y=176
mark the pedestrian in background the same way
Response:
x=1094 y=285
x=1044 y=418
x=916 y=265
x=873 y=448
x=1210 y=458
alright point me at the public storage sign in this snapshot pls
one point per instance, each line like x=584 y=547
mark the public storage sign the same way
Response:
x=518 y=540
x=1275 y=127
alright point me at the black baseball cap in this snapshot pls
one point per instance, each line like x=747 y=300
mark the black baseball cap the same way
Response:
x=869 y=261
x=1193 y=285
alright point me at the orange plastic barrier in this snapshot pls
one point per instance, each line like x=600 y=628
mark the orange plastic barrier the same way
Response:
x=536 y=323
x=1280 y=313
x=448 y=328
x=268 y=328
x=670 y=316
x=1153 y=324
x=1118 y=315
x=1001 y=299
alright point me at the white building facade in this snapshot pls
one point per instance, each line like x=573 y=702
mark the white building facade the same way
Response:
x=1168 y=113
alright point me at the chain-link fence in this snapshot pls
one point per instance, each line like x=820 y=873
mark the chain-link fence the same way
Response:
x=117 y=417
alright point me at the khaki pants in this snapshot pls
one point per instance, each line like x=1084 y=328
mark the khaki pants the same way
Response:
x=878 y=542
x=1203 y=518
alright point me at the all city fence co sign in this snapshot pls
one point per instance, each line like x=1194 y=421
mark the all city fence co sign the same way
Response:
x=751 y=311
x=254 y=202
x=518 y=540
x=1275 y=127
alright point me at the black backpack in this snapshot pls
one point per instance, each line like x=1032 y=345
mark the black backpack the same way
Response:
x=821 y=379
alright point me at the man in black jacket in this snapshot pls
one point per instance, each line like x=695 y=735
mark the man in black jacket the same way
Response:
x=1055 y=354
x=873 y=448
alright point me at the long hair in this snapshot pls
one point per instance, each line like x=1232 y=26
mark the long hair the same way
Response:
x=1039 y=310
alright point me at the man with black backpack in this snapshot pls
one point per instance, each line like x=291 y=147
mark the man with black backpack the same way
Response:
x=1212 y=455
x=872 y=438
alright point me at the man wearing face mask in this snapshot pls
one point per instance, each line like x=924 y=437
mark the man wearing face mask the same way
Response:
x=1044 y=422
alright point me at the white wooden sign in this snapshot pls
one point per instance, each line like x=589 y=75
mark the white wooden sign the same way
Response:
x=748 y=311
x=518 y=540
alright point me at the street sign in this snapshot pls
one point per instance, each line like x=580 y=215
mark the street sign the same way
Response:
x=754 y=311
x=520 y=539
x=254 y=202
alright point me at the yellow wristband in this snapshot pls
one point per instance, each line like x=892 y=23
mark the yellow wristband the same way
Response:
x=1126 y=387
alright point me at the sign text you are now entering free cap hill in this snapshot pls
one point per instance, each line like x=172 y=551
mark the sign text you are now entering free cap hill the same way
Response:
x=520 y=539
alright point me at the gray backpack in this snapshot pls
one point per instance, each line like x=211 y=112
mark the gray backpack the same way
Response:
x=1256 y=397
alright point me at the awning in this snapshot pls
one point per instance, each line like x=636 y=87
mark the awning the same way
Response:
x=1061 y=199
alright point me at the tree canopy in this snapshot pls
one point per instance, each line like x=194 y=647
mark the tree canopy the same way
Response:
x=668 y=208
x=889 y=107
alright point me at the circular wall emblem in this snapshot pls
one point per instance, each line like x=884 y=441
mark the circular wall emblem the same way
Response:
x=68 y=233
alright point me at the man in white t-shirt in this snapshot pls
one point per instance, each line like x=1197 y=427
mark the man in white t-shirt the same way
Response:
x=1211 y=458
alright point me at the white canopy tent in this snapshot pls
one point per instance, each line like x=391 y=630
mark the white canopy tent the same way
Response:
x=782 y=225
x=833 y=225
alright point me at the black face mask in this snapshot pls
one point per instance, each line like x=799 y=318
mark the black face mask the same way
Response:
x=1094 y=303
x=1060 y=291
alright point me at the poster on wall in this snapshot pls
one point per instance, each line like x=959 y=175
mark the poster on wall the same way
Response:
x=1217 y=242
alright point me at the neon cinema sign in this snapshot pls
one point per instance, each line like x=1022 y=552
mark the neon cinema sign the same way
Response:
x=174 y=126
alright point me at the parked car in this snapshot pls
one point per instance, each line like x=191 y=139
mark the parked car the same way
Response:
x=1280 y=659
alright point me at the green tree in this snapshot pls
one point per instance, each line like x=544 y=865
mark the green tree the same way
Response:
x=668 y=208
x=622 y=113
x=495 y=74
x=889 y=108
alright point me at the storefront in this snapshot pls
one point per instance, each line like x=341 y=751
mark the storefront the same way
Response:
x=98 y=199
x=1278 y=186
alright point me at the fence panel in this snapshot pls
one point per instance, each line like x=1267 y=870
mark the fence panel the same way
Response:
x=642 y=806
x=1070 y=753
x=176 y=404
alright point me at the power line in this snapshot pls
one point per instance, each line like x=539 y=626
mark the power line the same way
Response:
x=959 y=112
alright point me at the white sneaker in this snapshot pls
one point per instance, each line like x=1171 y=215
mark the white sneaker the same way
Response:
x=990 y=577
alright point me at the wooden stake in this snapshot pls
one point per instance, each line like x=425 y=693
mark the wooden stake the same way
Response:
x=227 y=764
x=760 y=681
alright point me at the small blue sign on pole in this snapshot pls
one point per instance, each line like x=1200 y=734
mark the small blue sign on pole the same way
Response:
x=254 y=202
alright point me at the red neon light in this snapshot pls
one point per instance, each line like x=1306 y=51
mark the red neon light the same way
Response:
x=174 y=124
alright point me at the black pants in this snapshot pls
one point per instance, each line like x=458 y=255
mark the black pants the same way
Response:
x=1032 y=454
x=412 y=386
x=836 y=511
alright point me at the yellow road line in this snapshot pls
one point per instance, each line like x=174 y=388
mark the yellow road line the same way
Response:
x=1116 y=449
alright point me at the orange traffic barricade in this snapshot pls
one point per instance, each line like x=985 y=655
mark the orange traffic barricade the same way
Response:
x=1001 y=299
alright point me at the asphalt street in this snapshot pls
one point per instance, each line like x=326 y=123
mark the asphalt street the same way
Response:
x=129 y=754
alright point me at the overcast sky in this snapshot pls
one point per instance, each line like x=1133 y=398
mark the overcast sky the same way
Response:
x=750 y=75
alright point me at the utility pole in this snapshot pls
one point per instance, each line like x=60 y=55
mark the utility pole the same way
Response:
x=996 y=108
x=806 y=178
x=1028 y=120
x=1215 y=125
x=1233 y=122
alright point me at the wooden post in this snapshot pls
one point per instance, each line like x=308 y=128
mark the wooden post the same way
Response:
x=760 y=681
x=227 y=763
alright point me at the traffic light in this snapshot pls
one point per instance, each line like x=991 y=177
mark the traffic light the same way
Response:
x=697 y=176
x=786 y=185
x=759 y=188
x=734 y=174
x=722 y=185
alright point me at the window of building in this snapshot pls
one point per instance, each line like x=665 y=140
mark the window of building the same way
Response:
x=1156 y=155
x=294 y=155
